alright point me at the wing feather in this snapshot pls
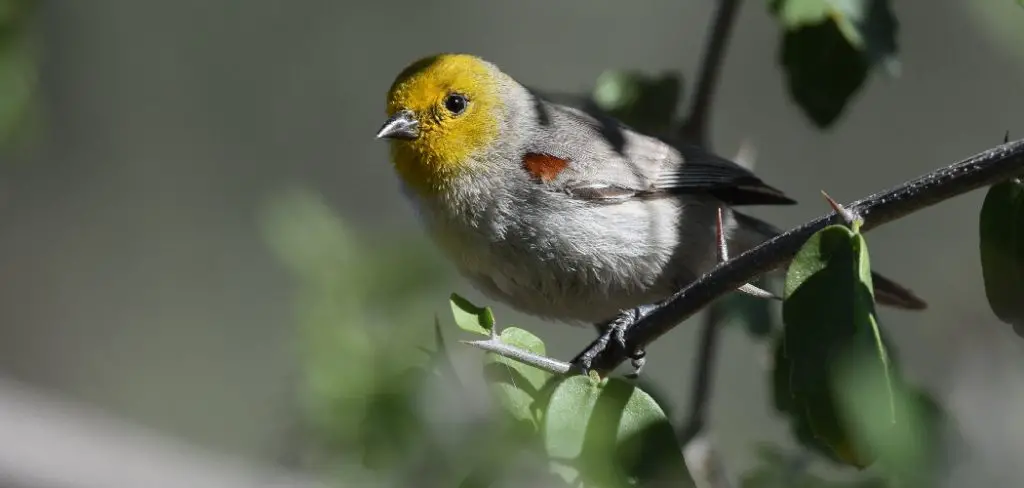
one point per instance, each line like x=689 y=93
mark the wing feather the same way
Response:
x=612 y=163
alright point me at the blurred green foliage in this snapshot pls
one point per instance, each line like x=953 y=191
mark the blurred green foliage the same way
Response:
x=17 y=67
x=363 y=359
x=644 y=102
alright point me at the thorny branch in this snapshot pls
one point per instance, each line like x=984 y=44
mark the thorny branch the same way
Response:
x=986 y=168
x=983 y=169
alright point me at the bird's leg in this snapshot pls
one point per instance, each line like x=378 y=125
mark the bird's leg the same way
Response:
x=615 y=329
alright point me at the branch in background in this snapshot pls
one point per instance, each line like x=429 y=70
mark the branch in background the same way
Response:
x=986 y=168
x=695 y=127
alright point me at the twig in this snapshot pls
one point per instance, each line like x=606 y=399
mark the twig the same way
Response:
x=986 y=168
x=495 y=345
x=695 y=127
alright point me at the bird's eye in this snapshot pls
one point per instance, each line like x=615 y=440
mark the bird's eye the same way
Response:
x=455 y=103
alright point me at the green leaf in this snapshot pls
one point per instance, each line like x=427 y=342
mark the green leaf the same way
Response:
x=829 y=317
x=612 y=432
x=517 y=387
x=1002 y=251
x=783 y=400
x=822 y=71
x=828 y=48
x=471 y=318
x=907 y=445
x=642 y=101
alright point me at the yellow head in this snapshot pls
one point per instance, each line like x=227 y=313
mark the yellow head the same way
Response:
x=441 y=110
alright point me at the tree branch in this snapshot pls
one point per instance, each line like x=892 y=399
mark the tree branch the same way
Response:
x=695 y=127
x=986 y=168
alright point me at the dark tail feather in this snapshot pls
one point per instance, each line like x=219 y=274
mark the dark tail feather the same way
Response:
x=752 y=231
x=888 y=292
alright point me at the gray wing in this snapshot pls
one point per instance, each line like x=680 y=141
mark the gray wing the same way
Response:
x=607 y=161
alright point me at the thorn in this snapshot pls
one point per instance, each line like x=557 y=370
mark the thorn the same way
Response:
x=758 y=292
x=723 y=247
x=849 y=217
x=1006 y=137
x=723 y=256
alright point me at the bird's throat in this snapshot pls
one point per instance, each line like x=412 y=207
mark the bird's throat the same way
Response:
x=425 y=171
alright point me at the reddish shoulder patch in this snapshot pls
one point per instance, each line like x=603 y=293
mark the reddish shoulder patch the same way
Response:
x=544 y=167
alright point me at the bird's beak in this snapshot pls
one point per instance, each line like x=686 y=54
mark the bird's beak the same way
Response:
x=402 y=125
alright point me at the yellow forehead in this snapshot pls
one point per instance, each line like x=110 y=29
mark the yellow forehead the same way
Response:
x=425 y=82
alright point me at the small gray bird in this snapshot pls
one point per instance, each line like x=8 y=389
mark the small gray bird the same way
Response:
x=560 y=213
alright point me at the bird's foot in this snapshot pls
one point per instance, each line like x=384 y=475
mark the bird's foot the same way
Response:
x=615 y=329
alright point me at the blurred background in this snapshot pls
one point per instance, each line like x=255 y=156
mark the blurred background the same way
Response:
x=192 y=206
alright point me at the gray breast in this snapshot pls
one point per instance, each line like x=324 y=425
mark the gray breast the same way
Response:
x=564 y=259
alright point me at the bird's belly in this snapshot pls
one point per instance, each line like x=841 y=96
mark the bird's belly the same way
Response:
x=580 y=267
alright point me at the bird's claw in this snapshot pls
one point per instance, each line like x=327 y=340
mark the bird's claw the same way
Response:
x=615 y=329
x=638 y=359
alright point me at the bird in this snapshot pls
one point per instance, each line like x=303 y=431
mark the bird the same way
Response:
x=561 y=212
